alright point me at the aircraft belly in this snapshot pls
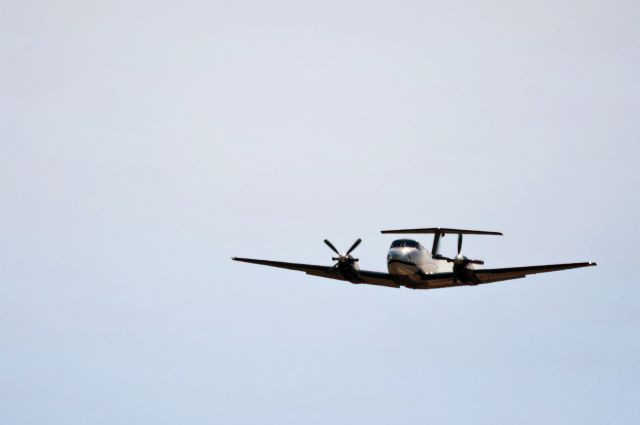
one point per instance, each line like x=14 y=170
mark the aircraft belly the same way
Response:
x=402 y=269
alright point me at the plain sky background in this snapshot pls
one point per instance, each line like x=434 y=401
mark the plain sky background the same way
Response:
x=144 y=143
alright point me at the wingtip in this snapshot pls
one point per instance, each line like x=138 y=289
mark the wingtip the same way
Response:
x=593 y=263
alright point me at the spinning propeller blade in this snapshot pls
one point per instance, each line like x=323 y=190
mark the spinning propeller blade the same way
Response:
x=330 y=245
x=354 y=246
x=343 y=258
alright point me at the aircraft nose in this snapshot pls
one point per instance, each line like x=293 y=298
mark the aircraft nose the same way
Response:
x=401 y=254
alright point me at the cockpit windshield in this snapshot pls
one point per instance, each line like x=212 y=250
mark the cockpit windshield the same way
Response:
x=408 y=243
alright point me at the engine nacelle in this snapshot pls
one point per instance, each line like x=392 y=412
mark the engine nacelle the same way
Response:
x=350 y=270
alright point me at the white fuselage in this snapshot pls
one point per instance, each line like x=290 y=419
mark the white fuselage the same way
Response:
x=408 y=257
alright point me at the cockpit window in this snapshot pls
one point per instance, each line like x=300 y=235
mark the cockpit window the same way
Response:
x=405 y=243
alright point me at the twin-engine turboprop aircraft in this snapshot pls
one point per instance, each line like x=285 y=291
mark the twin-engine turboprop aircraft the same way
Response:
x=412 y=266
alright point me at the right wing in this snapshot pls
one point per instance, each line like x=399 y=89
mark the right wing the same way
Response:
x=372 y=278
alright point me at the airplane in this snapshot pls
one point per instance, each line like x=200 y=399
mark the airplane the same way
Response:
x=411 y=265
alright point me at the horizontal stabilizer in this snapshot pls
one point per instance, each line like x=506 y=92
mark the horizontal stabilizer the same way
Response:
x=442 y=231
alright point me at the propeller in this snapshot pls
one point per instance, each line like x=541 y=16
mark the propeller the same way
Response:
x=460 y=260
x=460 y=264
x=346 y=258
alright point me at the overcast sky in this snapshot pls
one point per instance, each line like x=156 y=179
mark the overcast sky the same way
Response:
x=144 y=143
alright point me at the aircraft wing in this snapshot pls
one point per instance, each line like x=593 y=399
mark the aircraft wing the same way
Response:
x=445 y=280
x=372 y=278
x=430 y=281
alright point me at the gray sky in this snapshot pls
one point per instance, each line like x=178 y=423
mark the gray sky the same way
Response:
x=144 y=143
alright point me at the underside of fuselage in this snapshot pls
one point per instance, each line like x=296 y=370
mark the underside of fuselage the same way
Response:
x=402 y=268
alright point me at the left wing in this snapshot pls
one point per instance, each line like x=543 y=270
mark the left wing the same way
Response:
x=446 y=280
x=372 y=278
